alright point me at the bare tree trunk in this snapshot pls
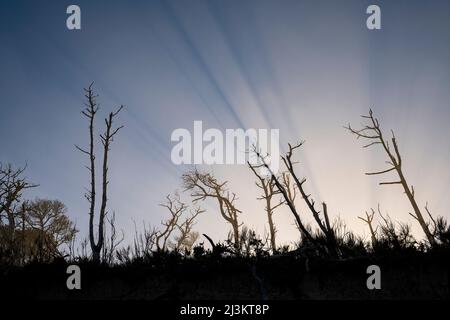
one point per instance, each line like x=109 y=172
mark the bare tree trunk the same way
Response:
x=372 y=132
x=272 y=230
x=236 y=235
x=93 y=108
x=288 y=199
x=325 y=227
x=418 y=214
x=106 y=138
x=267 y=186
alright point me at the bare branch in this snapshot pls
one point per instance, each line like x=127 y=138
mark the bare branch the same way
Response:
x=380 y=172
x=390 y=182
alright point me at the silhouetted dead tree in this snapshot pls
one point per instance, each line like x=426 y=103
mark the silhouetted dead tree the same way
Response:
x=372 y=132
x=286 y=196
x=176 y=209
x=324 y=225
x=373 y=232
x=205 y=185
x=106 y=138
x=187 y=237
x=267 y=185
x=12 y=186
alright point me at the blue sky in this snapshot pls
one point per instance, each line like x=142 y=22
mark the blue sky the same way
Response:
x=304 y=67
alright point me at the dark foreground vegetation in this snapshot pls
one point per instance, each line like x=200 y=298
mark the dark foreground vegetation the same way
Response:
x=406 y=274
x=172 y=261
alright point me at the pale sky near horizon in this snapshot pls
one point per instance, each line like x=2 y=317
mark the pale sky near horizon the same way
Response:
x=305 y=67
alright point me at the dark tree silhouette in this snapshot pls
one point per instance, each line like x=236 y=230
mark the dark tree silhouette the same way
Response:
x=373 y=232
x=106 y=138
x=324 y=225
x=288 y=199
x=267 y=185
x=12 y=186
x=205 y=185
x=373 y=133
x=51 y=227
x=176 y=209
x=186 y=237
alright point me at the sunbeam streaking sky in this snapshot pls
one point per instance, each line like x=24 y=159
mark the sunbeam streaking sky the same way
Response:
x=307 y=68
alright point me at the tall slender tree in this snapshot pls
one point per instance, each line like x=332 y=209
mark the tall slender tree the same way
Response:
x=106 y=139
x=267 y=185
x=371 y=131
